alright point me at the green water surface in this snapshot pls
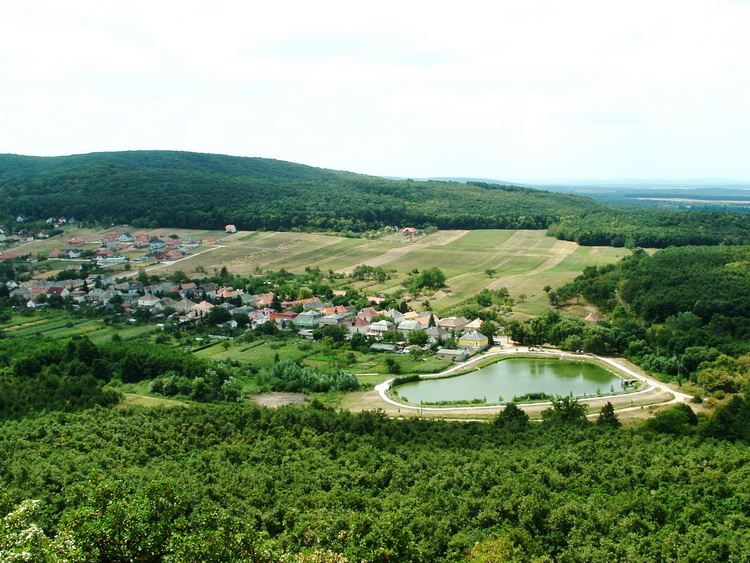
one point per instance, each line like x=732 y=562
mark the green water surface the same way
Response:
x=514 y=377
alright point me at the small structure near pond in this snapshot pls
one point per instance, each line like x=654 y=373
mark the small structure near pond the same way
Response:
x=453 y=355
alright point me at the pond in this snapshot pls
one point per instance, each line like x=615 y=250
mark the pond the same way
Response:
x=514 y=377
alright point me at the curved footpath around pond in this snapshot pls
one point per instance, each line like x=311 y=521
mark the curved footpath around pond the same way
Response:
x=654 y=386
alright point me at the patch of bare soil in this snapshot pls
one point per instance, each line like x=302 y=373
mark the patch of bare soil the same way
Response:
x=274 y=400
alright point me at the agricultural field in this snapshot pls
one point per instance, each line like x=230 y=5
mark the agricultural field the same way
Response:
x=53 y=323
x=523 y=261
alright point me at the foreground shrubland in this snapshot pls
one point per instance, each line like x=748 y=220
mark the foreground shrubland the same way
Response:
x=244 y=483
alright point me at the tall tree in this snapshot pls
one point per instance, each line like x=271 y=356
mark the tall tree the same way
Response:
x=608 y=417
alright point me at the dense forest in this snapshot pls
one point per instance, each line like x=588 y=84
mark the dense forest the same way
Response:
x=191 y=190
x=681 y=312
x=244 y=483
x=650 y=228
x=205 y=191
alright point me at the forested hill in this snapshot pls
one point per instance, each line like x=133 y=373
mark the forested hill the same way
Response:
x=207 y=191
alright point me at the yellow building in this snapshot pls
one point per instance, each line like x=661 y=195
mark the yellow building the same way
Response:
x=473 y=340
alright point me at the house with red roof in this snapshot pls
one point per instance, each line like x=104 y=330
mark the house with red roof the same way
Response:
x=368 y=313
x=228 y=293
x=359 y=325
x=60 y=291
x=201 y=309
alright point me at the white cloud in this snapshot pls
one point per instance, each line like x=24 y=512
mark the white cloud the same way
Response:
x=581 y=88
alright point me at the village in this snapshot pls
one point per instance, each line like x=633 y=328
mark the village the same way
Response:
x=131 y=294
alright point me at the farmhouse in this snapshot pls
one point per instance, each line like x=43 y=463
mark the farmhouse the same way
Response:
x=184 y=306
x=228 y=293
x=408 y=326
x=379 y=328
x=201 y=308
x=453 y=323
x=334 y=320
x=59 y=291
x=359 y=325
x=368 y=314
x=148 y=301
x=308 y=319
x=473 y=341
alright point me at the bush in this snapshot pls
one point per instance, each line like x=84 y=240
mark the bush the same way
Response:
x=512 y=418
x=680 y=419
x=287 y=376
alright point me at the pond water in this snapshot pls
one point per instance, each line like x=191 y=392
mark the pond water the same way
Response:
x=514 y=377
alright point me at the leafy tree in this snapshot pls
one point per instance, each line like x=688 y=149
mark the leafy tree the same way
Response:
x=717 y=379
x=566 y=411
x=517 y=332
x=572 y=343
x=393 y=366
x=218 y=315
x=730 y=421
x=608 y=417
x=336 y=333
x=241 y=319
x=288 y=376
x=679 y=419
x=484 y=298
x=418 y=337
x=489 y=329
x=22 y=539
x=431 y=278
x=512 y=418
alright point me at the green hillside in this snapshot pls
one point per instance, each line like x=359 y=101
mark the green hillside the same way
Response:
x=207 y=191
x=191 y=190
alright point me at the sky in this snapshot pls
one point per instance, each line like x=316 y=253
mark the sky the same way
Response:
x=522 y=90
